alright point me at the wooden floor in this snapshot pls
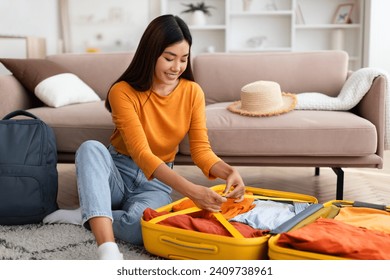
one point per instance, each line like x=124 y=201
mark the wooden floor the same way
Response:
x=369 y=185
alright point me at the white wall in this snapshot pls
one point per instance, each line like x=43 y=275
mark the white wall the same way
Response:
x=29 y=18
x=378 y=36
x=41 y=18
x=38 y=18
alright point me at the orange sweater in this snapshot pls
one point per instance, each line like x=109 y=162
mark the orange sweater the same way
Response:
x=149 y=127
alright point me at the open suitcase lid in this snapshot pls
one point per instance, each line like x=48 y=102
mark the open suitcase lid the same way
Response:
x=329 y=210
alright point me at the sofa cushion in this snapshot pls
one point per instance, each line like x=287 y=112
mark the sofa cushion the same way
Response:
x=74 y=124
x=221 y=75
x=88 y=66
x=53 y=84
x=297 y=133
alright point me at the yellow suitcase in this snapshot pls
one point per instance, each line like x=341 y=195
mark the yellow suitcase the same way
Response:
x=175 y=243
x=329 y=210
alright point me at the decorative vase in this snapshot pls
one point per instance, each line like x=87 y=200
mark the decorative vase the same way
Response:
x=198 y=18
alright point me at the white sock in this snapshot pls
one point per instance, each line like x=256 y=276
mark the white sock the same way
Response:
x=109 y=251
x=64 y=216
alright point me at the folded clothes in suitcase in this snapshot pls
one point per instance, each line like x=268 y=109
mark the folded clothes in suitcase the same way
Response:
x=339 y=230
x=223 y=238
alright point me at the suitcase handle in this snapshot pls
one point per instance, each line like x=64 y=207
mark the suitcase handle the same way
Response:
x=361 y=204
x=195 y=247
x=369 y=205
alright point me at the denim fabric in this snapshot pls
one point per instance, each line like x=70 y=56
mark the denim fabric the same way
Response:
x=112 y=185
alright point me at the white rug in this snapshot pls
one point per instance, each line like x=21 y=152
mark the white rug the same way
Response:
x=57 y=242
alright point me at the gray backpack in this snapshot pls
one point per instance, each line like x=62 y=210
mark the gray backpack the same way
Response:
x=28 y=169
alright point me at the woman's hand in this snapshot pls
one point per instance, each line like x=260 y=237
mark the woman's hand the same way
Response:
x=235 y=187
x=203 y=197
x=206 y=198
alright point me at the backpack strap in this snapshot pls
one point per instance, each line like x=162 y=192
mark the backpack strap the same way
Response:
x=19 y=113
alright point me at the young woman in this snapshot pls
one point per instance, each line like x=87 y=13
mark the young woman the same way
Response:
x=154 y=104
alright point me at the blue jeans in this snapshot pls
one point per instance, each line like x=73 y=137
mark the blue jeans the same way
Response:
x=112 y=185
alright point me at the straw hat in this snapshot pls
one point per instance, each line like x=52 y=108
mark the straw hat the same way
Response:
x=263 y=99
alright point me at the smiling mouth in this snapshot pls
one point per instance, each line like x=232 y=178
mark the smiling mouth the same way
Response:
x=171 y=75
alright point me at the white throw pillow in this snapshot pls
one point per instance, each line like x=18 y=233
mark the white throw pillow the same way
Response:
x=64 y=89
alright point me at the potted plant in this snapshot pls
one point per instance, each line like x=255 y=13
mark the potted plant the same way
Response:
x=199 y=12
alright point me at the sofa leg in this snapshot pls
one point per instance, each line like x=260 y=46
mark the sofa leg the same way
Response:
x=317 y=171
x=340 y=182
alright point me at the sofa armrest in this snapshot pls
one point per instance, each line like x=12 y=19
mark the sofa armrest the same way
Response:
x=14 y=96
x=372 y=108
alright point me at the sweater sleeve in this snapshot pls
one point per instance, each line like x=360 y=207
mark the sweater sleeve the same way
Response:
x=126 y=119
x=200 y=148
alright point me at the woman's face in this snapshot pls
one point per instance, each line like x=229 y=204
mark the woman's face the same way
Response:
x=171 y=64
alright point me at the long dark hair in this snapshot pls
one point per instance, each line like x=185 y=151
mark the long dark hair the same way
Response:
x=162 y=32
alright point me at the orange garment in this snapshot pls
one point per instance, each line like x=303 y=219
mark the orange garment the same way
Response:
x=229 y=209
x=195 y=222
x=149 y=127
x=185 y=204
x=335 y=238
x=365 y=217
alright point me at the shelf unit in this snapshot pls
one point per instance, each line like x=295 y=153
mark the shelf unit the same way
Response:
x=210 y=37
x=318 y=32
x=274 y=25
x=263 y=26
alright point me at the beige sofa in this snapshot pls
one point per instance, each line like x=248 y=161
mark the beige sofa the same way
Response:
x=311 y=138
